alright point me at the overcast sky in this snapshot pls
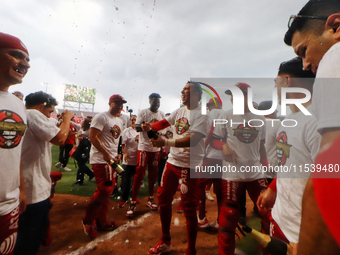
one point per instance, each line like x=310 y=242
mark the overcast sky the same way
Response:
x=135 y=48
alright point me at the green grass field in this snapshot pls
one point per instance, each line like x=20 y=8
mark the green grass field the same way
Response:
x=64 y=186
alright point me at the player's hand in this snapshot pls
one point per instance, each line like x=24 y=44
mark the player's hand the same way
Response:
x=126 y=157
x=266 y=200
x=117 y=158
x=157 y=143
x=229 y=154
x=67 y=115
x=146 y=126
x=22 y=202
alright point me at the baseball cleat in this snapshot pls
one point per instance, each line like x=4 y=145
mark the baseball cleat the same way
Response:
x=160 y=248
x=151 y=204
x=90 y=229
x=202 y=223
x=131 y=210
x=108 y=226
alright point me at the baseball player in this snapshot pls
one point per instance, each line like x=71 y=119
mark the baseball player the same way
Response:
x=148 y=156
x=212 y=157
x=130 y=139
x=295 y=147
x=105 y=132
x=14 y=64
x=314 y=36
x=272 y=126
x=186 y=152
x=244 y=148
x=36 y=168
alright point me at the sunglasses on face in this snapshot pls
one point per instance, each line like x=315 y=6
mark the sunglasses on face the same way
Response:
x=293 y=17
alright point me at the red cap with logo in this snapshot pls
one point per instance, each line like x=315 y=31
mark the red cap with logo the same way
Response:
x=241 y=85
x=10 y=41
x=117 y=98
x=211 y=101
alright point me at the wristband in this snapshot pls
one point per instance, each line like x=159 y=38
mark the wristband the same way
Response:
x=272 y=185
x=170 y=142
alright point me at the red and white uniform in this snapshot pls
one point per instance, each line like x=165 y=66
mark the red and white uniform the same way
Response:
x=12 y=111
x=245 y=140
x=148 y=156
x=296 y=147
x=178 y=168
x=130 y=138
x=110 y=128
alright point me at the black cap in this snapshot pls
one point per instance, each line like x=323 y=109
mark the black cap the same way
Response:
x=265 y=105
x=154 y=95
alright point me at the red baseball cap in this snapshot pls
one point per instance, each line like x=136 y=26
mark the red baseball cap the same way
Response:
x=211 y=101
x=241 y=85
x=117 y=98
x=10 y=41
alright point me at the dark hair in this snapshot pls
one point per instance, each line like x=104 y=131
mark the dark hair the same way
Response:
x=86 y=123
x=154 y=95
x=294 y=67
x=40 y=97
x=312 y=8
x=197 y=88
x=133 y=116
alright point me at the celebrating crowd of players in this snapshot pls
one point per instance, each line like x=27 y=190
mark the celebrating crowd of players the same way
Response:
x=296 y=208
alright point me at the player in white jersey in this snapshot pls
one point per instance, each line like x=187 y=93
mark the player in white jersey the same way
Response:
x=212 y=157
x=148 y=156
x=245 y=136
x=314 y=36
x=296 y=146
x=130 y=138
x=41 y=133
x=186 y=152
x=14 y=65
x=272 y=126
x=105 y=132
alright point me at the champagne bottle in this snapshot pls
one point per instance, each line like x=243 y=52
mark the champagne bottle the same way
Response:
x=116 y=167
x=271 y=244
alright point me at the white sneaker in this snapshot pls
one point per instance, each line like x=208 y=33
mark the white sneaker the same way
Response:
x=160 y=248
x=58 y=165
x=202 y=223
x=66 y=169
x=208 y=196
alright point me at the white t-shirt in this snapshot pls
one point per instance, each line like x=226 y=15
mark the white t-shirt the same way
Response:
x=245 y=140
x=126 y=121
x=326 y=90
x=12 y=111
x=130 y=138
x=271 y=133
x=210 y=152
x=296 y=146
x=185 y=122
x=36 y=157
x=111 y=128
x=147 y=116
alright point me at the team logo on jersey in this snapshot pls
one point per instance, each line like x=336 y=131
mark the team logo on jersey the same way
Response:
x=115 y=130
x=282 y=148
x=182 y=125
x=137 y=138
x=246 y=133
x=153 y=120
x=12 y=128
x=169 y=134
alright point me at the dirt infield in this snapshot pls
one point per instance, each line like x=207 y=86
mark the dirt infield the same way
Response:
x=133 y=237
